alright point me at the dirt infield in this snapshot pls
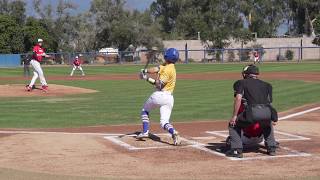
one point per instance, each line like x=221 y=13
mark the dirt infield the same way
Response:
x=18 y=90
x=303 y=76
x=104 y=151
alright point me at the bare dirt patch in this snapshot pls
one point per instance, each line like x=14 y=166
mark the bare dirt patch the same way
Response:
x=303 y=76
x=73 y=151
x=18 y=90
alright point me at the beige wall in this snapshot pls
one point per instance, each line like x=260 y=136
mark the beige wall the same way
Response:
x=313 y=53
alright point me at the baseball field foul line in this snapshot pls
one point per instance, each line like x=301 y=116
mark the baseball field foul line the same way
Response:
x=291 y=137
x=299 y=113
x=54 y=132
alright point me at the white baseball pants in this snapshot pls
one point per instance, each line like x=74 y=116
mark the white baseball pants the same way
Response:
x=164 y=100
x=76 y=67
x=37 y=72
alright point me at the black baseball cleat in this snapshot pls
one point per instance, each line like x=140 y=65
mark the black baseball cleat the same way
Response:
x=234 y=153
x=271 y=152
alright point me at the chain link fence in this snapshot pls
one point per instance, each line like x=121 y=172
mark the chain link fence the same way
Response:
x=186 y=56
x=247 y=54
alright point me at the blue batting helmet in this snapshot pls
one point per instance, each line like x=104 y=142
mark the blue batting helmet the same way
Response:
x=171 y=55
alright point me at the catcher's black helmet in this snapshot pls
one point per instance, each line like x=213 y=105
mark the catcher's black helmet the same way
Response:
x=250 y=69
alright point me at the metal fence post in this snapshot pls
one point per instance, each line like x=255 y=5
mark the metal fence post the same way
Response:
x=299 y=54
x=186 y=54
x=120 y=57
x=222 y=56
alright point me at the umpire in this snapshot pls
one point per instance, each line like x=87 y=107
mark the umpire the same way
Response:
x=258 y=97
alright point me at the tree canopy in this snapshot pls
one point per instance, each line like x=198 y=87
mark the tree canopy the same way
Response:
x=107 y=23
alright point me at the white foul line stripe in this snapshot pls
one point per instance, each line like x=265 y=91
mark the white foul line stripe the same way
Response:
x=291 y=137
x=299 y=113
x=63 y=133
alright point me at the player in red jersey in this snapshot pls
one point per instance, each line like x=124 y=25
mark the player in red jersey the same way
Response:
x=77 y=65
x=38 y=54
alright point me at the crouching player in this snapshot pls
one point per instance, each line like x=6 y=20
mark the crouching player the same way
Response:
x=77 y=65
x=162 y=98
x=257 y=113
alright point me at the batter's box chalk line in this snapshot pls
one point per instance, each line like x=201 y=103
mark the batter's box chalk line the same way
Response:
x=289 y=137
x=204 y=147
x=117 y=140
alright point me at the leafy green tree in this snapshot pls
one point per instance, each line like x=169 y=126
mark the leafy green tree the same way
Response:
x=4 y=7
x=35 y=29
x=263 y=16
x=59 y=22
x=11 y=36
x=119 y=28
x=105 y=14
x=217 y=21
x=84 y=32
x=317 y=25
x=17 y=11
x=303 y=14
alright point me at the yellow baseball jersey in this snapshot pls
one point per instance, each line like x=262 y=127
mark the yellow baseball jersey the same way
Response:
x=167 y=74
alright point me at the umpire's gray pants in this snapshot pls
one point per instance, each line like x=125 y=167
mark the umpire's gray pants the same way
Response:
x=235 y=136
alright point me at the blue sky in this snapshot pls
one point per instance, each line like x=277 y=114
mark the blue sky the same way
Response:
x=84 y=5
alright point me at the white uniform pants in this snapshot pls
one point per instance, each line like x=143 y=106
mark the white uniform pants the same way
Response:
x=256 y=59
x=37 y=72
x=161 y=99
x=76 y=67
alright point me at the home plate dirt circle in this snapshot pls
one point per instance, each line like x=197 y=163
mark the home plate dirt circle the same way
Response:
x=18 y=90
x=113 y=152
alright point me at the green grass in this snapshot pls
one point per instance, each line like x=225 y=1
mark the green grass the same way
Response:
x=120 y=102
x=181 y=68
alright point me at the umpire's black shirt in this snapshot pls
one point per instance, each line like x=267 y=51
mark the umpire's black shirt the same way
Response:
x=255 y=91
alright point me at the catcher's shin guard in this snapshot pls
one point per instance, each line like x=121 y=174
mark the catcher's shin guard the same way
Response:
x=145 y=121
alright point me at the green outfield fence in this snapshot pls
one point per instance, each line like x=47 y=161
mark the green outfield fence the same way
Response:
x=275 y=54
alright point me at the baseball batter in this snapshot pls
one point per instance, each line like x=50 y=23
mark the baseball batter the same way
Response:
x=77 y=65
x=38 y=54
x=162 y=98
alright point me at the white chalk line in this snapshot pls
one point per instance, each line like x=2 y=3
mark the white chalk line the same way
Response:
x=204 y=147
x=204 y=138
x=118 y=141
x=194 y=144
x=108 y=134
x=62 y=133
x=299 y=113
x=291 y=137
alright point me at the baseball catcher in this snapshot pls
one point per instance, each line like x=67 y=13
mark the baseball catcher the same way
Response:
x=162 y=98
